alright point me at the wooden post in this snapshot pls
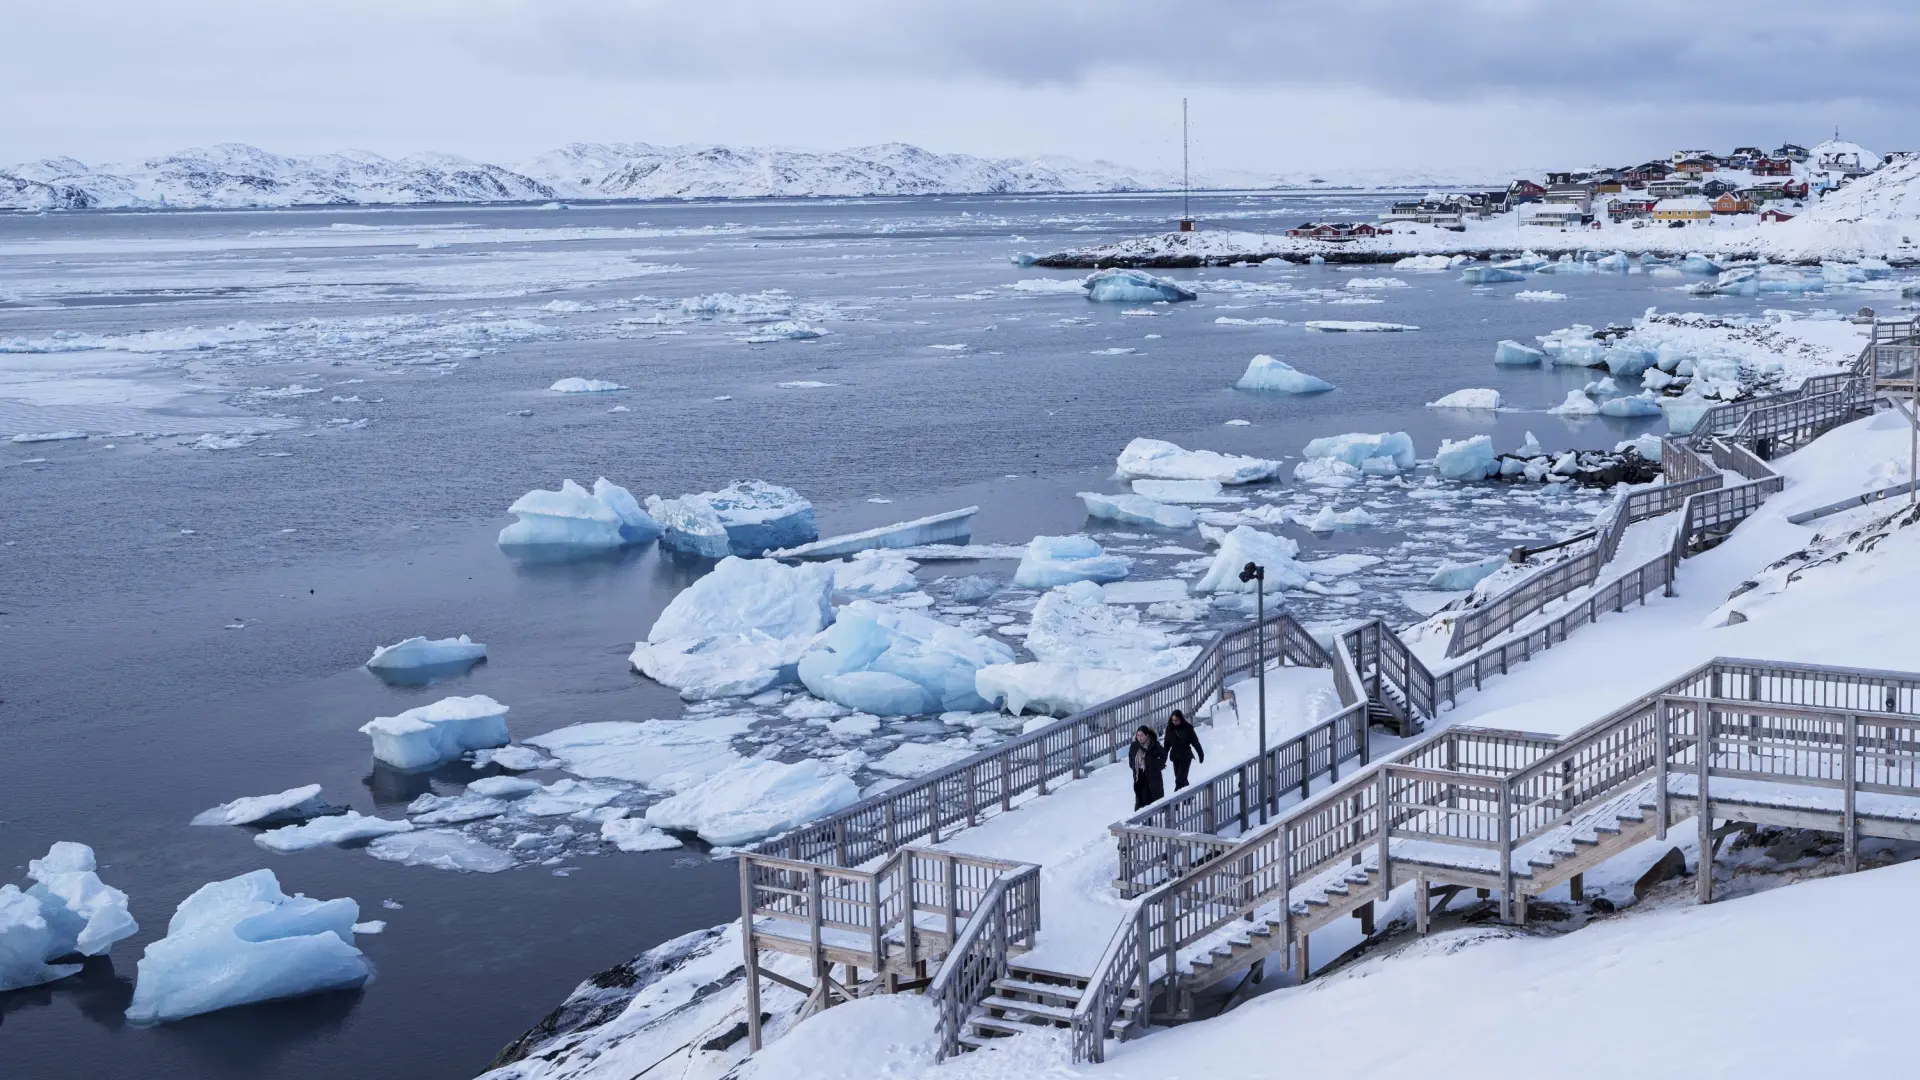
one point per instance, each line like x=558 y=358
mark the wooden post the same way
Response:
x=933 y=812
x=752 y=953
x=1384 y=810
x=1663 y=720
x=953 y=902
x=1849 y=755
x=813 y=927
x=1006 y=781
x=1703 y=810
x=973 y=806
x=1422 y=913
x=840 y=842
x=1302 y=962
x=1365 y=914
x=1506 y=855
x=1144 y=948
x=1576 y=887
x=907 y=927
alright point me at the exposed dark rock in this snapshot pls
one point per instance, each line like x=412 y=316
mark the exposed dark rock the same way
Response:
x=1671 y=865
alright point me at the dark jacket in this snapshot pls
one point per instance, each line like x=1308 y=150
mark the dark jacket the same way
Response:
x=1147 y=762
x=1183 y=743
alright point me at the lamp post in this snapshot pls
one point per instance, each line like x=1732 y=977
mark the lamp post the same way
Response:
x=1257 y=574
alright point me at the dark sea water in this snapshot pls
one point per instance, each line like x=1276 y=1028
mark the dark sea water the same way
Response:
x=182 y=626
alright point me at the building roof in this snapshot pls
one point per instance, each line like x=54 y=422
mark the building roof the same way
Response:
x=1676 y=205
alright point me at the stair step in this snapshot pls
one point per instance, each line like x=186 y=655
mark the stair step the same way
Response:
x=1032 y=973
x=1053 y=991
x=970 y=1039
x=983 y=1024
x=1029 y=1008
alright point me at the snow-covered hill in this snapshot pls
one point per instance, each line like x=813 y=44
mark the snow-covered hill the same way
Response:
x=237 y=175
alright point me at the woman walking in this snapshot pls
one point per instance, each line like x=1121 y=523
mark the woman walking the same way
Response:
x=1146 y=758
x=1182 y=744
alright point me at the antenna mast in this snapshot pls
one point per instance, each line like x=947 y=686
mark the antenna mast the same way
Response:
x=1186 y=174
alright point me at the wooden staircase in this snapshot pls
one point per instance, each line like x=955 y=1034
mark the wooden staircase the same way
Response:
x=1031 y=997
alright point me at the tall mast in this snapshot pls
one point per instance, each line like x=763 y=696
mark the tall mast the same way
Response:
x=1186 y=176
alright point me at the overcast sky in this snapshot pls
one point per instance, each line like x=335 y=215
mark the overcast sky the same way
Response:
x=1276 y=85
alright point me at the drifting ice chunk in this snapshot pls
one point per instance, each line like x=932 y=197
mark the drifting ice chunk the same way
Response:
x=1199 y=492
x=1696 y=263
x=1330 y=520
x=1344 y=326
x=634 y=834
x=419 y=652
x=1166 y=590
x=1137 y=510
x=288 y=807
x=1530 y=448
x=570 y=517
x=1266 y=373
x=83 y=914
x=1468 y=399
x=724 y=665
x=1075 y=625
x=746 y=517
x=1055 y=689
x=431 y=809
x=1059 y=560
x=661 y=754
x=889 y=662
x=875 y=573
x=1627 y=361
x=441 y=849
x=1423 y=262
x=1383 y=454
x=1574 y=346
x=1684 y=412
x=1490 y=275
x=26 y=941
x=1640 y=405
x=319 y=832
x=739 y=629
x=1647 y=446
x=577 y=385
x=1132 y=287
x=1469 y=459
x=1244 y=545
x=423 y=737
x=954 y=526
x=1328 y=472
x=241 y=940
x=636 y=527
x=1576 y=404
x=1513 y=354
x=1616 y=263
x=1156 y=459
x=753 y=799
x=1455 y=577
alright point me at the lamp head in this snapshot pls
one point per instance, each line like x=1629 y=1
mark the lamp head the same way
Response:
x=1253 y=572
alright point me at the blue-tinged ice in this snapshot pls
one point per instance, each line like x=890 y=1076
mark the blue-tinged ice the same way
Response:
x=1266 y=373
x=242 y=940
x=573 y=517
x=1638 y=405
x=1627 y=361
x=1509 y=353
x=754 y=798
x=26 y=941
x=1454 y=577
x=1383 y=454
x=1133 y=287
x=890 y=662
x=1137 y=510
x=419 y=652
x=1467 y=459
x=1684 y=412
x=1157 y=459
x=1647 y=446
x=950 y=527
x=747 y=517
x=1696 y=263
x=1245 y=544
x=67 y=911
x=1616 y=263
x=1490 y=275
x=326 y=831
x=1061 y=560
x=738 y=630
x=428 y=735
x=288 y=807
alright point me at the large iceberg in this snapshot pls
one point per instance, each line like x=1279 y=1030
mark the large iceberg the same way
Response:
x=889 y=662
x=1490 y=275
x=1383 y=454
x=746 y=517
x=1060 y=560
x=242 y=940
x=1468 y=459
x=26 y=942
x=1245 y=544
x=1137 y=510
x=953 y=526
x=420 y=652
x=739 y=629
x=606 y=517
x=1157 y=459
x=1132 y=287
x=67 y=911
x=1266 y=373
x=423 y=737
x=1509 y=353
x=755 y=798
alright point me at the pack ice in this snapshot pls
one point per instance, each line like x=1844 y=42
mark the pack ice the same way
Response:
x=606 y=517
x=1132 y=287
x=888 y=662
x=67 y=911
x=739 y=629
x=1157 y=459
x=242 y=940
x=1266 y=373
x=1137 y=510
x=1059 y=560
x=755 y=798
x=746 y=517
x=428 y=735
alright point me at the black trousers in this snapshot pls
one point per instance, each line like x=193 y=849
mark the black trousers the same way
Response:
x=1180 y=767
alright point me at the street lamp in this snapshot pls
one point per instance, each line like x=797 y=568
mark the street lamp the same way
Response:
x=1257 y=574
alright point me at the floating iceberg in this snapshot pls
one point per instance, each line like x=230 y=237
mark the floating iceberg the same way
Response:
x=441 y=849
x=1060 y=560
x=1244 y=545
x=954 y=526
x=1424 y=262
x=634 y=834
x=1132 y=287
x=26 y=942
x=1647 y=446
x=1576 y=404
x=1626 y=361
x=1331 y=520
x=1639 y=405
x=1137 y=510
x=1383 y=454
x=1342 y=326
x=1375 y=283
x=80 y=913
x=1156 y=459
x=1330 y=472
x=420 y=652
x=241 y=940
x=1075 y=625
x=1514 y=354
x=753 y=799
x=1490 y=275
x=739 y=629
x=1468 y=459
x=660 y=754
x=423 y=737
x=1468 y=399
x=1696 y=263
x=607 y=517
x=1574 y=346
x=1266 y=373
x=1055 y=689
x=340 y=829
x=875 y=573
x=746 y=517
x=1539 y=296
x=1199 y=492
x=288 y=807
x=1456 y=577
x=889 y=662
x=1616 y=263
x=577 y=385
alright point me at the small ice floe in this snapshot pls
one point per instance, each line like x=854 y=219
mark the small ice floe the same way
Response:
x=1460 y=576
x=959 y=346
x=371 y=926
x=1576 y=404
x=746 y=517
x=1427 y=262
x=441 y=849
x=1539 y=295
x=1513 y=354
x=1490 y=275
x=754 y=798
x=1356 y=454
x=634 y=834
x=1060 y=560
x=420 y=660
x=428 y=735
x=887 y=662
x=1375 y=283
x=1353 y=326
x=515 y=758
x=1266 y=373
x=794 y=384
x=242 y=940
x=1194 y=492
x=1114 y=351
x=1239 y=423
x=1466 y=459
x=953 y=526
x=1330 y=520
x=574 y=518
x=289 y=807
x=577 y=385
x=67 y=911
x=47 y=436
x=338 y=829
x=1119 y=286
x=1156 y=459
x=783 y=331
x=1468 y=399
x=738 y=630
x=1136 y=510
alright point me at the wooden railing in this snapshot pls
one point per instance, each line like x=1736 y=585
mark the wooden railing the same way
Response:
x=1007 y=917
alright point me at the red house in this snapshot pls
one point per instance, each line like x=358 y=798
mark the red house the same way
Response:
x=1775 y=215
x=1768 y=166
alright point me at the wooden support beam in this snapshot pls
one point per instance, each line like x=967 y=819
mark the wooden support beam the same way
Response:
x=1302 y=962
x=1576 y=887
x=1483 y=893
x=1422 y=917
x=1365 y=914
x=795 y=985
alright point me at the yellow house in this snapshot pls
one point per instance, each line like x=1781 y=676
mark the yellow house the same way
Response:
x=1690 y=209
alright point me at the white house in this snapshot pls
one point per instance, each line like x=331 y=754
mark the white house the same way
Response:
x=1551 y=215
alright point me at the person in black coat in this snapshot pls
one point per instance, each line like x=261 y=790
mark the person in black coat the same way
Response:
x=1183 y=745
x=1146 y=759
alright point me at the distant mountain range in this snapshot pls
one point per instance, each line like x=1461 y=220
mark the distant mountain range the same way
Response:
x=234 y=175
